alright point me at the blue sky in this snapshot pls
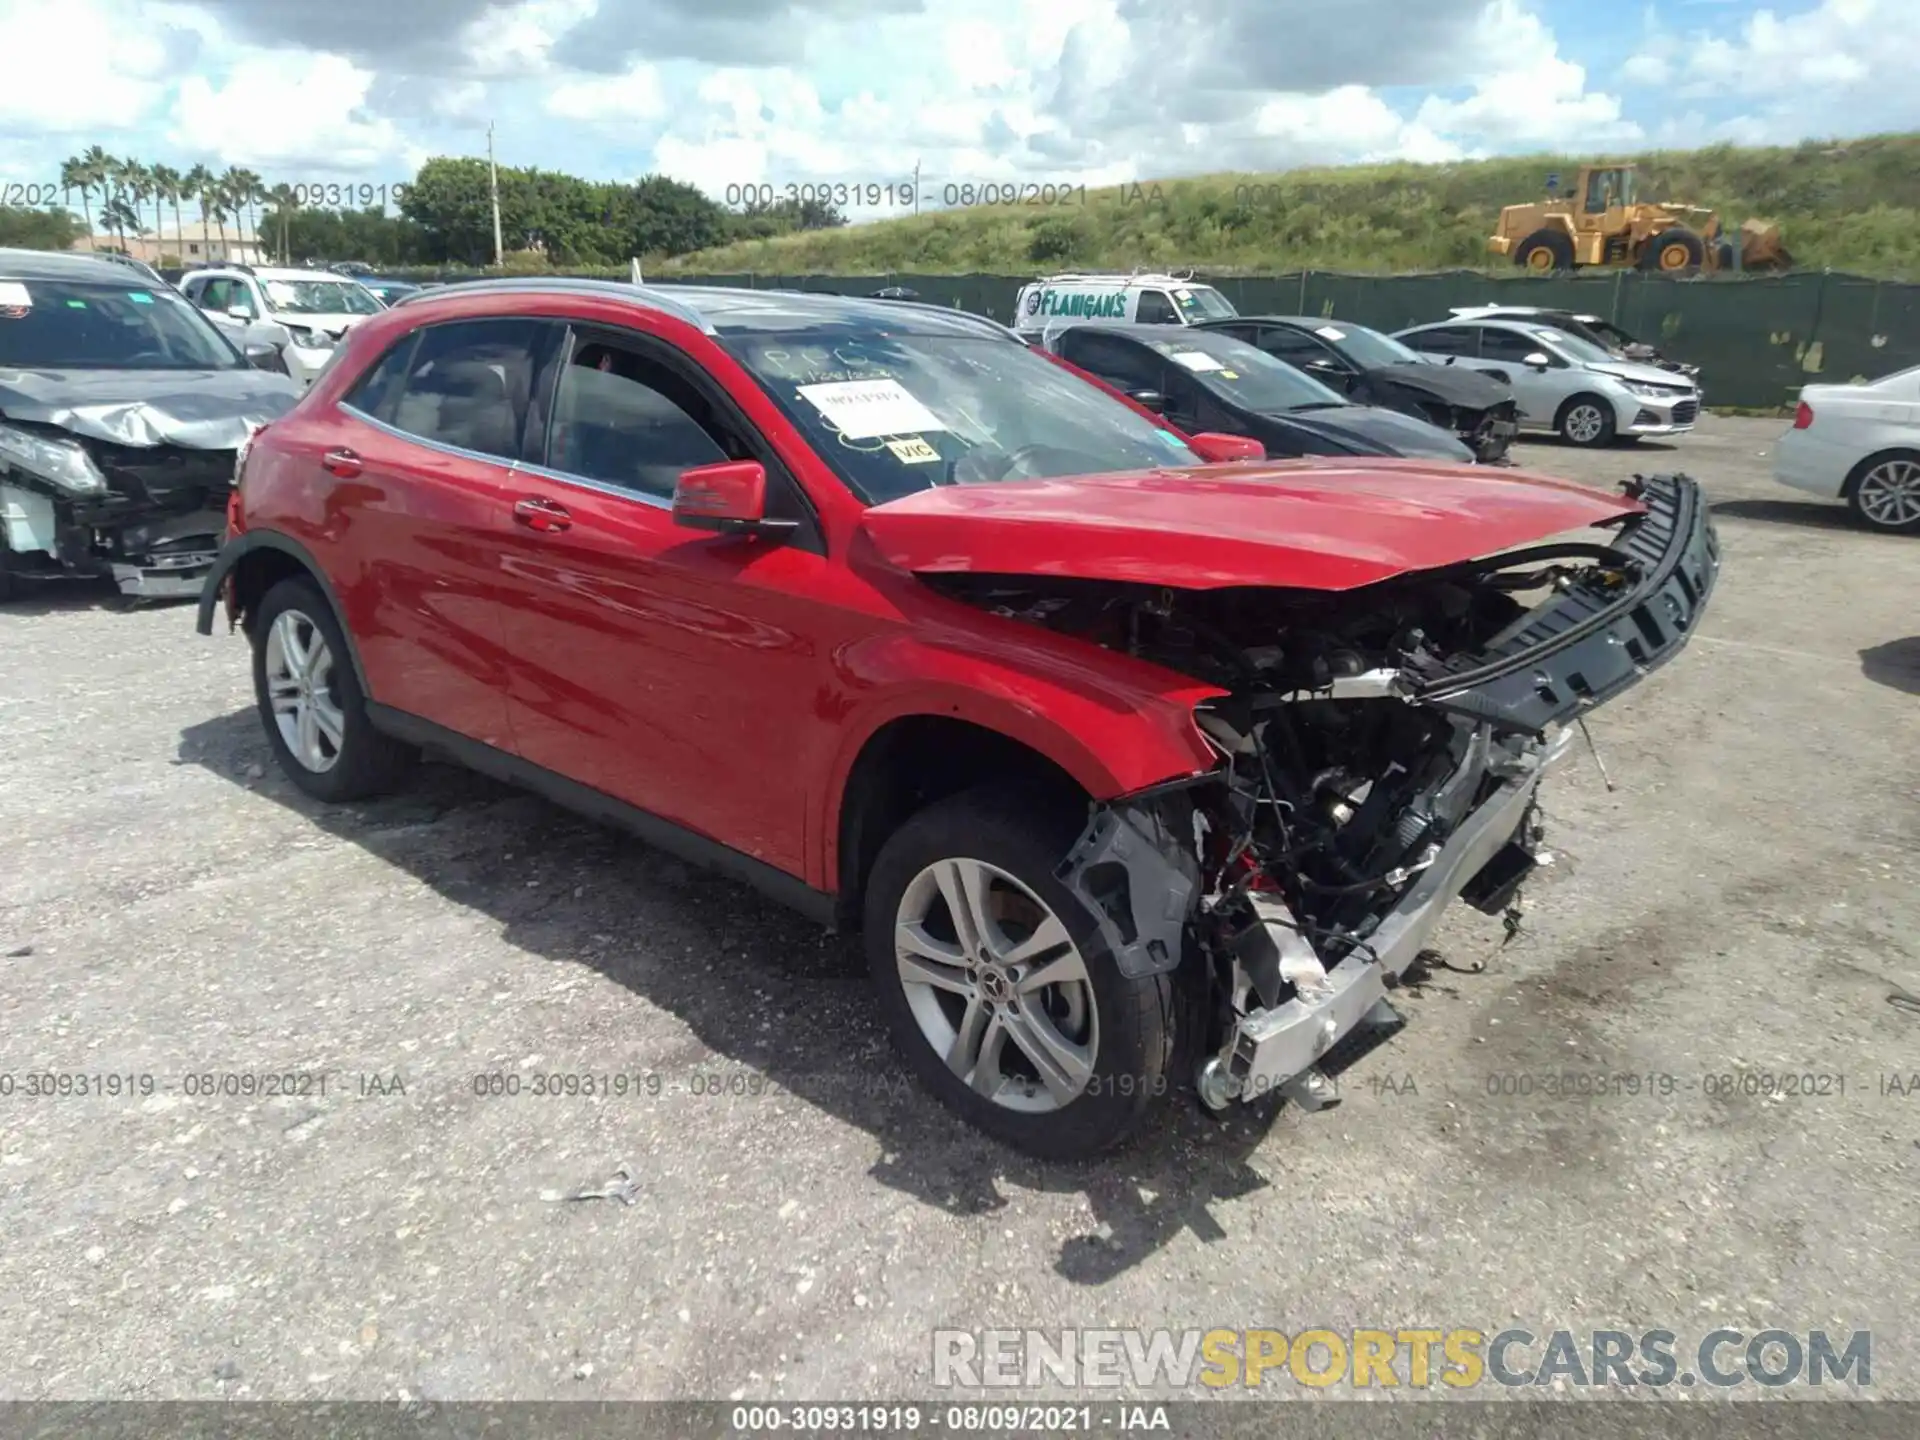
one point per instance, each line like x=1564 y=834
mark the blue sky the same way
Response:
x=722 y=93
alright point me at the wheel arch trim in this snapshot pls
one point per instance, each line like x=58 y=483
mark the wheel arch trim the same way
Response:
x=250 y=542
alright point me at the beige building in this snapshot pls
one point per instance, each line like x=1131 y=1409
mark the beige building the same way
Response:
x=191 y=249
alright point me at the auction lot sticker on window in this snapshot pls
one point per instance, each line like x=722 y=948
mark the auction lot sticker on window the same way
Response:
x=866 y=409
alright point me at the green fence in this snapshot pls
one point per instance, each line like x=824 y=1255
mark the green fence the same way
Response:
x=1756 y=339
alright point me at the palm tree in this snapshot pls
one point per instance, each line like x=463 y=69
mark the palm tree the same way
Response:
x=73 y=177
x=242 y=190
x=90 y=172
x=119 y=177
x=138 y=180
x=195 y=184
x=284 y=202
x=119 y=212
x=166 y=188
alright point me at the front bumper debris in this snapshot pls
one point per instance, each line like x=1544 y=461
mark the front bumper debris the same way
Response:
x=1512 y=705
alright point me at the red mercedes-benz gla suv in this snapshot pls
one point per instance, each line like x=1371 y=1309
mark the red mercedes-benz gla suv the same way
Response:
x=1134 y=759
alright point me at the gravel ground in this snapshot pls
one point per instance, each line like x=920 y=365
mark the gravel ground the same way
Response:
x=801 y=1217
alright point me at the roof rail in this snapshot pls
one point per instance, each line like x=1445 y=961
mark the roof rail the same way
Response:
x=647 y=295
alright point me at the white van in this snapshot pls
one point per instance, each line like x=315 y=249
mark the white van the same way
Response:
x=1137 y=299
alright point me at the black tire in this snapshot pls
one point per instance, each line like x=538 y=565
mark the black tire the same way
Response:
x=1886 y=461
x=1572 y=429
x=6 y=572
x=1555 y=245
x=366 y=763
x=1133 y=1057
x=1663 y=252
x=1724 y=254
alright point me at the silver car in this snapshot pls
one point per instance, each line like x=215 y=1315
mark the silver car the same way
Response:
x=1564 y=383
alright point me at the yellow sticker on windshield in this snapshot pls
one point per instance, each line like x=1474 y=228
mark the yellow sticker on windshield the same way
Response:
x=912 y=452
x=1229 y=374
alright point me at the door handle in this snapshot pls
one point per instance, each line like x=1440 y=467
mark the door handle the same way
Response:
x=342 y=462
x=538 y=513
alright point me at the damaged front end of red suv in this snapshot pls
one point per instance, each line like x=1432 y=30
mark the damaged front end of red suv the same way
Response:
x=1381 y=743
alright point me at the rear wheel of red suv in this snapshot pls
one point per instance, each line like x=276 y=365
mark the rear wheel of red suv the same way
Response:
x=310 y=701
x=997 y=986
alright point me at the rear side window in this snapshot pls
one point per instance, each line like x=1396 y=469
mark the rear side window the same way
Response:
x=1119 y=362
x=468 y=384
x=1447 y=340
x=1290 y=345
x=1156 y=309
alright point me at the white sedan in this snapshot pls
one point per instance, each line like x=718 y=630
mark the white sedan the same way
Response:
x=1861 y=444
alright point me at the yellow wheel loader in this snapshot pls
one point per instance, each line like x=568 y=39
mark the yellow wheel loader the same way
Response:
x=1604 y=223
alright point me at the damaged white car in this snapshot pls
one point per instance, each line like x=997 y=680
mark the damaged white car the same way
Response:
x=121 y=414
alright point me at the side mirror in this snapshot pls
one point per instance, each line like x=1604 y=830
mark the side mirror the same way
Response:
x=239 y=312
x=1538 y=360
x=1148 y=400
x=1218 y=449
x=263 y=356
x=730 y=496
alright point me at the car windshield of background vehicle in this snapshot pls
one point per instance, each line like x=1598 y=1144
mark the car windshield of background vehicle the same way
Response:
x=1246 y=374
x=320 y=297
x=893 y=414
x=1202 y=302
x=1367 y=347
x=56 y=324
x=1578 y=348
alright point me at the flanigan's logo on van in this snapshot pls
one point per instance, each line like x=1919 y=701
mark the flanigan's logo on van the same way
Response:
x=1083 y=304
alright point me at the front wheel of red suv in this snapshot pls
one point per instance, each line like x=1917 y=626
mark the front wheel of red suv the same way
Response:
x=997 y=986
x=310 y=701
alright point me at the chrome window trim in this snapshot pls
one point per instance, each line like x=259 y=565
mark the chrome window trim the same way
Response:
x=517 y=467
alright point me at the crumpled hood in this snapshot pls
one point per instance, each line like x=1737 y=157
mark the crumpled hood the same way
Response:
x=1323 y=523
x=1642 y=374
x=198 y=409
x=334 y=325
x=1449 y=384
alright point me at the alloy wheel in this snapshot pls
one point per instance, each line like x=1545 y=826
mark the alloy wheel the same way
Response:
x=1584 y=424
x=1889 y=494
x=299 y=665
x=997 y=985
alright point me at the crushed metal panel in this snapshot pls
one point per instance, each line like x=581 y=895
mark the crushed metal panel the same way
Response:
x=1140 y=878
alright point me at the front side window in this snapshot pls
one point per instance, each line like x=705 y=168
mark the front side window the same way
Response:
x=1446 y=340
x=58 y=324
x=469 y=384
x=1510 y=345
x=1123 y=363
x=893 y=413
x=628 y=421
x=1156 y=309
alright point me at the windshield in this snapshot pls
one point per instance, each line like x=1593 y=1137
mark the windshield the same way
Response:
x=1244 y=374
x=320 y=297
x=1202 y=302
x=1366 y=347
x=1574 y=345
x=60 y=325
x=894 y=414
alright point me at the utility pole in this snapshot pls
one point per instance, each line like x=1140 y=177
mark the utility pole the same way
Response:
x=493 y=185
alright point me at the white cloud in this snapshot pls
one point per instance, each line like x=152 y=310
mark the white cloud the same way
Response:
x=286 y=110
x=612 y=100
x=1529 y=94
x=1843 y=67
x=77 y=65
x=501 y=44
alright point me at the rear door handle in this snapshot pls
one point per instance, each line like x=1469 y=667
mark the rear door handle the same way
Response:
x=538 y=513
x=342 y=462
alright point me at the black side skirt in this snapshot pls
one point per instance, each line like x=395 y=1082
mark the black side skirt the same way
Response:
x=688 y=845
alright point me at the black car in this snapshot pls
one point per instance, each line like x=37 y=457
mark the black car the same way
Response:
x=1374 y=369
x=122 y=411
x=1202 y=380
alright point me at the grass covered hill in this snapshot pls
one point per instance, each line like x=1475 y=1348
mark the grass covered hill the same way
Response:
x=1849 y=205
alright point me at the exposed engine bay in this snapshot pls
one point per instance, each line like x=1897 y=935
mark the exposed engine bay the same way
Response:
x=1380 y=754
